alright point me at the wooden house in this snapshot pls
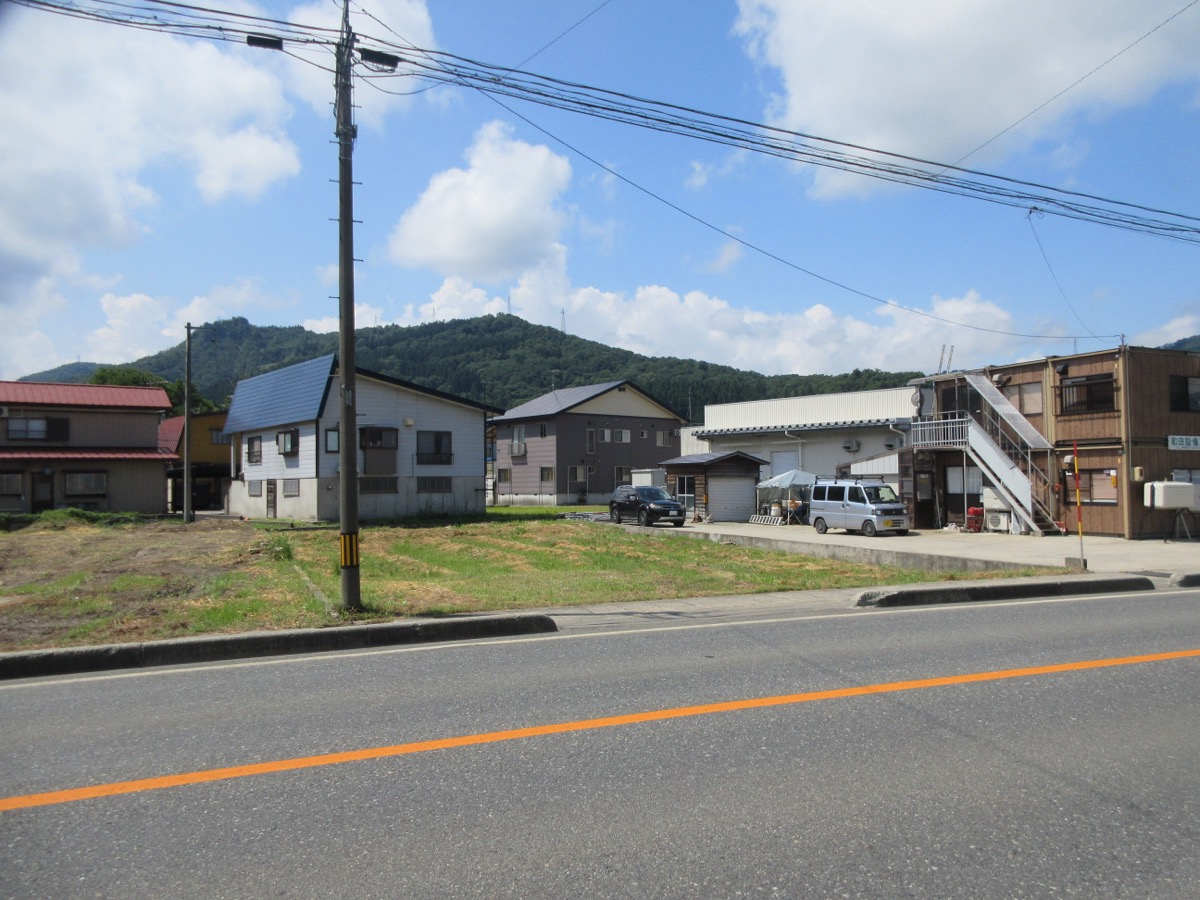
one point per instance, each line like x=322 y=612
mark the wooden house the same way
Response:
x=89 y=446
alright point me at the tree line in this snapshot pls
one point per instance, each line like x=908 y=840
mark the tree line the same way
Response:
x=499 y=360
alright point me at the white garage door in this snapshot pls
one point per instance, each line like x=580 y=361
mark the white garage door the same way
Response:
x=731 y=499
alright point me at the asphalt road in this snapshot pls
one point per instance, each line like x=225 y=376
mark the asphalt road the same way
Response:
x=1031 y=749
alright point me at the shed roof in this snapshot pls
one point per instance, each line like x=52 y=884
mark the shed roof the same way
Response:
x=708 y=459
x=43 y=393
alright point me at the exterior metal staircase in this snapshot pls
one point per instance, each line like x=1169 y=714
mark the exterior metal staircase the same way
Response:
x=1013 y=455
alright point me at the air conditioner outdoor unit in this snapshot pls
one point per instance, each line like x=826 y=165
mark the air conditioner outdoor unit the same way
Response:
x=997 y=521
x=851 y=445
x=3 y=411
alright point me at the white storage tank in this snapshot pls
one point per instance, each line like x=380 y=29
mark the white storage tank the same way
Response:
x=1171 y=495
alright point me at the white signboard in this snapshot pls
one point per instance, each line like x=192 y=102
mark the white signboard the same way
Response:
x=1183 y=442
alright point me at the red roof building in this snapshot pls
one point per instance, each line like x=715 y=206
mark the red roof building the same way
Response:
x=84 y=445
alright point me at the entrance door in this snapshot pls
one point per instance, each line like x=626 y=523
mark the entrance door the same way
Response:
x=43 y=492
x=271 y=498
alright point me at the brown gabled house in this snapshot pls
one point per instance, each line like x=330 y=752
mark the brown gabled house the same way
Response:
x=89 y=446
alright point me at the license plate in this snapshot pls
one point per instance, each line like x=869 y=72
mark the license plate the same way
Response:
x=893 y=523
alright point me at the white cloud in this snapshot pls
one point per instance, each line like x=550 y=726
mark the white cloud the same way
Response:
x=726 y=257
x=1182 y=326
x=937 y=79
x=491 y=220
x=87 y=111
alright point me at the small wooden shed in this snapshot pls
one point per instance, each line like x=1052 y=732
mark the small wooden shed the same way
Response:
x=719 y=487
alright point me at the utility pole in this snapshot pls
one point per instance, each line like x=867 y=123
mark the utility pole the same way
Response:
x=187 y=426
x=348 y=442
x=346 y=132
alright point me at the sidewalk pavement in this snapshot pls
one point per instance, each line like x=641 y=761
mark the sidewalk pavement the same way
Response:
x=1112 y=565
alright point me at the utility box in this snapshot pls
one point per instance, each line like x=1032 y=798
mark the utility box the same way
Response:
x=1171 y=495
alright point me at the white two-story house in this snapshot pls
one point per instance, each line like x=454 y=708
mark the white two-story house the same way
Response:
x=420 y=451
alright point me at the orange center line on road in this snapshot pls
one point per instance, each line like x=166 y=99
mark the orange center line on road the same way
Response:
x=51 y=798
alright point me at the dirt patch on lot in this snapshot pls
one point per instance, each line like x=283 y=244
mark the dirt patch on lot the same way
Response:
x=58 y=578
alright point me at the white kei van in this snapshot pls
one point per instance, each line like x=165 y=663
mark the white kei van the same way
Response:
x=856 y=505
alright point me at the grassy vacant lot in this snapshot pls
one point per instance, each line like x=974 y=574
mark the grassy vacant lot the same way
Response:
x=72 y=578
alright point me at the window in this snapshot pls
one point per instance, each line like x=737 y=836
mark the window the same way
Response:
x=85 y=484
x=591 y=440
x=605 y=436
x=219 y=438
x=547 y=474
x=288 y=442
x=579 y=474
x=665 y=438
x=254 y=488
x=504 y=476
x=685 y=491
x=379 y=450
x=253 y=450
x=518 y=440
x=291 y=487
x=333 y=442
x=57 y=430
x=1185 y=394
x=434 y=448
x=542 y=429
x=1096 y=487
x=1027 y=398
x=10 y=482
x=622 y=474
x=434 y=484
x=621 y=435
x=1090 y=394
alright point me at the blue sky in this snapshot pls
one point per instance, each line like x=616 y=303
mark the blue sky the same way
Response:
x=152 y=180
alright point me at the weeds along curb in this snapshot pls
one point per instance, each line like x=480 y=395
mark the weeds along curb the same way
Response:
x=68 y=660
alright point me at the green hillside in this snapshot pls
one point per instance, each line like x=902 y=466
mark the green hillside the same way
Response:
x=499 y=360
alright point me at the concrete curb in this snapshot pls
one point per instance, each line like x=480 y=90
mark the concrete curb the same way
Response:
x=1185 y=581
x=68 y=660
x=1002 y=590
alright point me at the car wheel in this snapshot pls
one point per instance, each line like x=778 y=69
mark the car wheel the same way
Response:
x=615 y=515
x=868 y=528
x=820 y=525
x=678 y=524
x=644 y=519
x=901 y=531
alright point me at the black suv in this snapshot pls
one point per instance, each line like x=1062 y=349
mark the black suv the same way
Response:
x=645 y=502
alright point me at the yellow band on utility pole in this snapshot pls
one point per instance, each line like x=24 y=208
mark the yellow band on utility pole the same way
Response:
x=349 y=547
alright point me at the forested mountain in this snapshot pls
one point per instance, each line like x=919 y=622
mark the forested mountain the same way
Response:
x=499 y=360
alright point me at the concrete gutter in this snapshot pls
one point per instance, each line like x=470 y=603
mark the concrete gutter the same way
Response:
x=1006 y=589
x=210 y=648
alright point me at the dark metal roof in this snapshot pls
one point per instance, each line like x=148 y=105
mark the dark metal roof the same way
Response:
x=292 y=394
x=707 y=459
x=558 y=401
x=298 y=394
x=566 y=399
x=817 y=426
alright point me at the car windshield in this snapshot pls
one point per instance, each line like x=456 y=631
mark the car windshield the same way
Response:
x=651 y=494
x=882 y=493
